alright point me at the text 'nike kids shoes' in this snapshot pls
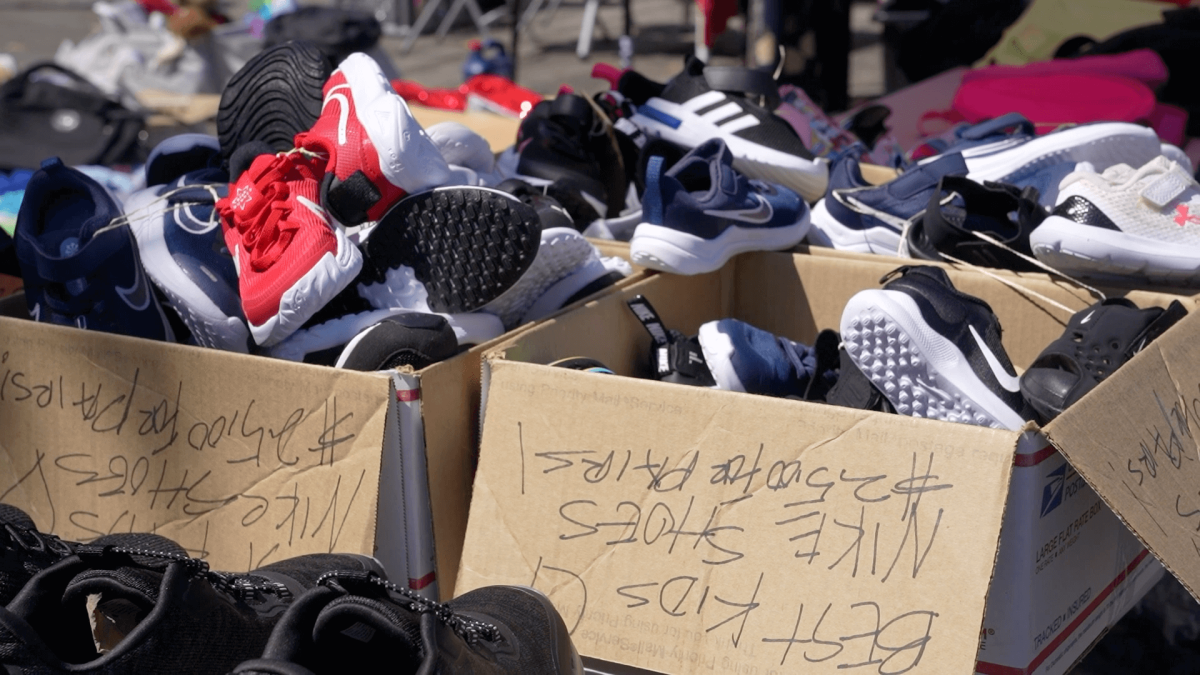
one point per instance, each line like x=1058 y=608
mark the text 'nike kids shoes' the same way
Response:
x=859 y=216
x=1140 y=223
x=693 y=108
x=1097 y=341
x=353 y=623
x=291 y=258
x=701 y=212
x=178 y=233
x=79 y=262
x=375 y=151
x=136 y=603
x=933 y=351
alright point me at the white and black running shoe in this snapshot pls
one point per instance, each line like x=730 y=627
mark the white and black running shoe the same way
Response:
x=933 y=351
x=691 y=110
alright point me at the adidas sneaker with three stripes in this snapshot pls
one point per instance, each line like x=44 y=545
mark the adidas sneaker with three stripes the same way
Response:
x=690 y=110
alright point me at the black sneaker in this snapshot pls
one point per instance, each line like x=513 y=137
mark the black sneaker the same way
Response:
x=1097 y=341
x=275 y=96
x=674 y=357
x=414 y=339
x=853 y=389
x=960 y=208
x=24 y=551
x=355 y=622
x=587 y=365
x=695 y=107
x=137 y=603
x=933 y=351
x=557 y=142
x=550 y=212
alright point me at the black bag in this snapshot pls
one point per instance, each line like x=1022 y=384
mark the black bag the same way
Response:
x=337 y=32
x=41 y=118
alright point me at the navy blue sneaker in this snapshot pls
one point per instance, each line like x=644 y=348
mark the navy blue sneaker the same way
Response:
x=180 y=154
x=748 y=359
x=858 y=216
x=78 y=258
x=702 y=212
x=178 y=233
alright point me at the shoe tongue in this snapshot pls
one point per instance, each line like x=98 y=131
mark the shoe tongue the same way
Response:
x=1117 y=173
x=368 y=626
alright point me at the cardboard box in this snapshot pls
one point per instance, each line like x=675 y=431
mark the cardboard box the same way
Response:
x=243 y=460
x=686 y=530
x=1135 y=442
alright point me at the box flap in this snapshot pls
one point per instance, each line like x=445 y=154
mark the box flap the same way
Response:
x=1134 y=439
x=242 y=460
x=680 y=529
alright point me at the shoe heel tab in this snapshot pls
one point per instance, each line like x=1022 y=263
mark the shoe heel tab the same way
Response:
x=652 y=199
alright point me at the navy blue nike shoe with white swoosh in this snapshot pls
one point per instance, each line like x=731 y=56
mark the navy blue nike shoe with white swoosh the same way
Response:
x=934 y=351
x=701 y=212
x=78 y=258
x=178 y=233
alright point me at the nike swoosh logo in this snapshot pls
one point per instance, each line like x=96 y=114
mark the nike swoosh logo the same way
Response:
x=886 y=218
x=945 y=396
x=343 y=110
x=193 y=224
x=758 y=215
x=136 y=296
x=1010 y=382
x=1088 y=317
x=316 y=208
x=36 y=313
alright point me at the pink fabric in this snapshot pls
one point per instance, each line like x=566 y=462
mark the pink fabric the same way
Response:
x=1144 y=65
x=1050 y=101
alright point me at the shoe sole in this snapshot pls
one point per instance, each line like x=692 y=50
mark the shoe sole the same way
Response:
x=332 y=273
x=919 y=371
x=210 y=326
x=829 y=232
x=560 y=253
x=1101 y=144
x=451 y=249
x=669 y=250
x=1096 y=252
x=275 y=96
x=408 y=158
x=809 y=177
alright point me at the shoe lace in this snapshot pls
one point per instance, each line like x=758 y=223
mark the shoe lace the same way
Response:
x=263 y=226
x=34 y=541
x=245 y=587
x=471 y=630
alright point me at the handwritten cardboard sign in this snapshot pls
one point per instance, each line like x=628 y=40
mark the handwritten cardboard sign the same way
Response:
x=241 y=460
x=684 y=530
x=1136 y=440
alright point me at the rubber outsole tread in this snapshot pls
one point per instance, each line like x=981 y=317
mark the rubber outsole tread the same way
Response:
x=467 y=246
x=275 y=96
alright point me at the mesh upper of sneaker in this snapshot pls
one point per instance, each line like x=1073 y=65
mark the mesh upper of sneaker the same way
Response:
x=1158 y=201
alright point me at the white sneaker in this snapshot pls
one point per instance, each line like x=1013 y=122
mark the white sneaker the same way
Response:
x=1143 y=223
x=1103 y=144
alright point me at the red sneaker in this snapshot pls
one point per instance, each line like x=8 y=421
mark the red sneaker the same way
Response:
x=291 y=258
x=442 y=99
x=376 y=151
x=499 y=95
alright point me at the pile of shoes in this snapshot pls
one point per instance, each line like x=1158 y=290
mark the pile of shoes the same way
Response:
x=918 y=347
x=322 y=225
x=140 y=603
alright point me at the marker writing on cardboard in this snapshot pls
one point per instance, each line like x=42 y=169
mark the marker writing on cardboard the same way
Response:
x=694 y=507
x=157 y=454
